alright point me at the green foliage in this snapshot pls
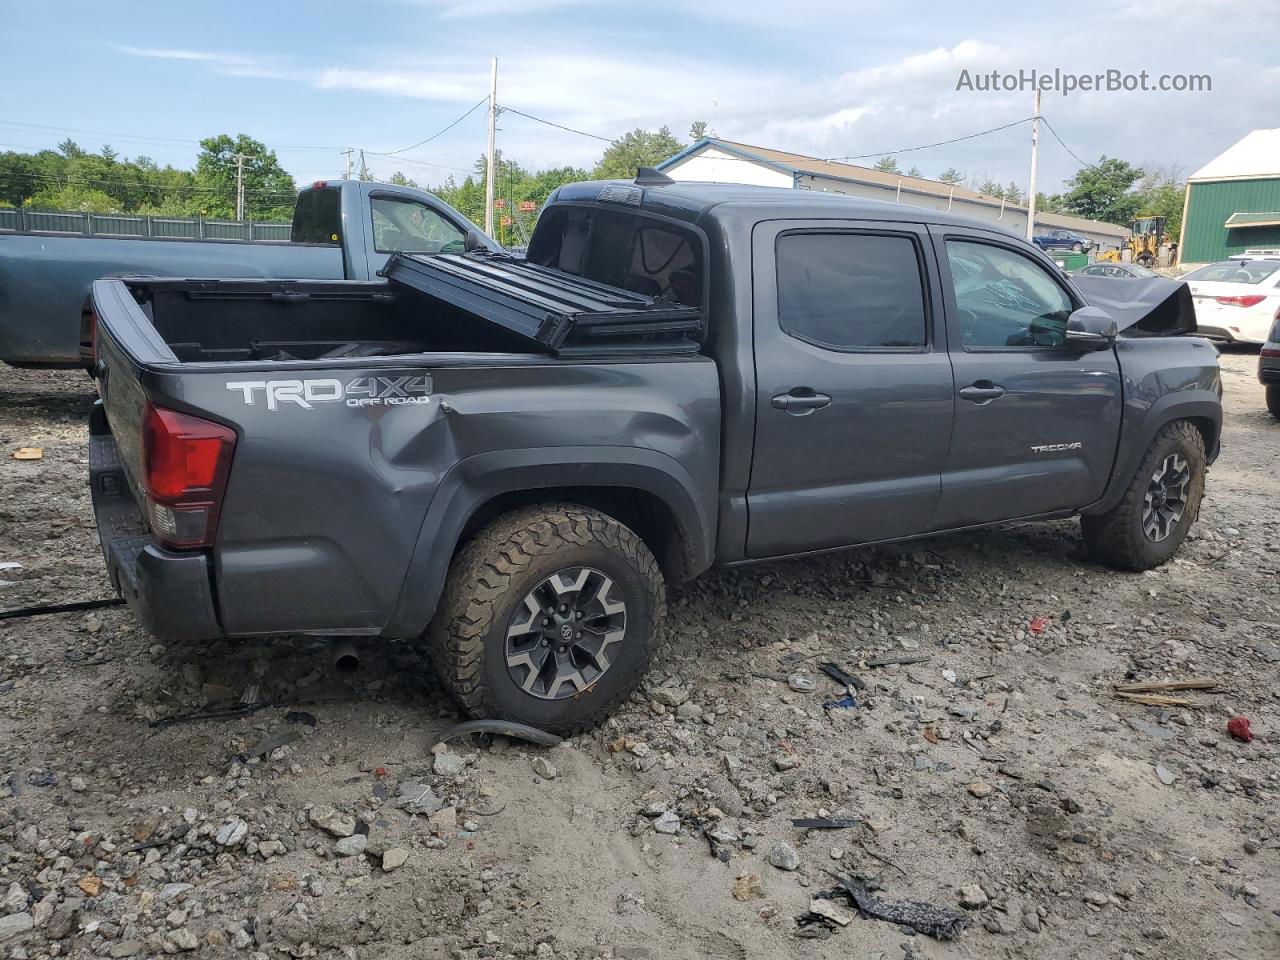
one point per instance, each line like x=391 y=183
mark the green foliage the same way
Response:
x=1103 y=191
x=1049 y=204
x=73 y=196
x=1160 y=193
x=639 y=148
x=887 y=165
x=1013 y=194
x=951 y=175
x=269 y=191
x=697 y=130
x=914 y=172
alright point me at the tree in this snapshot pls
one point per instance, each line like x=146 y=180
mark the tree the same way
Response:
x=1013 y=194
x=1161 y=192
x=1102 y=191
x=697 y=129
x=914 y=172
x=1049 y=204
x=400 y=180
x=951 y=175
x=639 y=148
x=269 y=191
x=887 y=165
x=991 y=188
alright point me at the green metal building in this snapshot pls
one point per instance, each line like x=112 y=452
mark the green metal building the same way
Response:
x=1232 y=203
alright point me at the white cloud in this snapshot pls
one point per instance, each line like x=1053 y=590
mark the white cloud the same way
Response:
x=202 y=56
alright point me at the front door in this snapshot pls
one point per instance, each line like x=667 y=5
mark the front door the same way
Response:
x=854 y=396
x=1037 y=418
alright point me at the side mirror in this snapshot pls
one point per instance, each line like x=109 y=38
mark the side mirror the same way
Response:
x=473 y=241
x=1090 y=329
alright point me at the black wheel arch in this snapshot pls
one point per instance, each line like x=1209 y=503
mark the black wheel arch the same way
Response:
x=645 y=490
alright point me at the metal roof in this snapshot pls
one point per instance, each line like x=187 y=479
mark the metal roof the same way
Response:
x=796 y=163
x=1255 y=156
x=1253 y=220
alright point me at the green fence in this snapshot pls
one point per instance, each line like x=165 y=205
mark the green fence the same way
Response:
x=124 y=225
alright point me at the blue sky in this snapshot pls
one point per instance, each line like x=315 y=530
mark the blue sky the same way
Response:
x=824 y=78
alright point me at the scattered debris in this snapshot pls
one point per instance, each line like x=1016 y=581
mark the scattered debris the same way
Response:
x=505 y=728
x=903 y=660
x=933 y=921
x=801 y=683
x=1167 y=776
x=29 y=453
x=841 y=676
x=1238 y=727
x=1038 y=624
x=1154 y=699
x=829 y=910
x=1195 y=683
x=270 y=744
x=749 y=886
x=824 y=823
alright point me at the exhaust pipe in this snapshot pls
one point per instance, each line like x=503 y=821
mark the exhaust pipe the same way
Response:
x=346 y=659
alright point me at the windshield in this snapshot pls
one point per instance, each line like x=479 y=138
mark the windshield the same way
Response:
x=1236 y=271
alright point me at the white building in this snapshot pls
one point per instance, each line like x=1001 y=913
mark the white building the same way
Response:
x=723 y=161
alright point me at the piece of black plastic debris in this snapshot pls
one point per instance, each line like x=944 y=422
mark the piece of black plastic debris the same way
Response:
x=933 y=921
x=300 y=716
x=824 y=823
x=59 y=608
x=841 y=676
x=505 y=728
x=41 y=778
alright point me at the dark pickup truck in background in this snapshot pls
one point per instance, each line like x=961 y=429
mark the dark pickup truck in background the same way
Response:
x=342 y=229
x=512 y=458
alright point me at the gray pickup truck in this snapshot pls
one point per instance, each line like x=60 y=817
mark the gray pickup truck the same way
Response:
x=342 y=229
x=512 y=458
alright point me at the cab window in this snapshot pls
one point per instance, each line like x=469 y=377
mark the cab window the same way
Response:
x=407 y=226
x=1004 y=299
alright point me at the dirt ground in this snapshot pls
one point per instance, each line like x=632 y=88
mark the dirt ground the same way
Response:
x=1000 y=778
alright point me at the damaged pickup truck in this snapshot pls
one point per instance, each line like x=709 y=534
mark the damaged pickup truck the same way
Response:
x=513 y=458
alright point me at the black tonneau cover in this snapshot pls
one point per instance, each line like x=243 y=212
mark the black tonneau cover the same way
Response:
x=565 y=314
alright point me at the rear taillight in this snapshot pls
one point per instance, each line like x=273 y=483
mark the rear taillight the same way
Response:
x=1252 y=300
x=1270 y=353
x=185 y=462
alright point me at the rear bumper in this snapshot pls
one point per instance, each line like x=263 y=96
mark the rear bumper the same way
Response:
x=170 y=593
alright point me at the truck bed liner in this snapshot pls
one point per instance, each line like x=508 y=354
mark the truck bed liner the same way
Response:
x=565 y=314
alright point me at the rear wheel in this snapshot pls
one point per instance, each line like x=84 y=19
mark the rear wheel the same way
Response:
x=1161 y=502
x=548 y=618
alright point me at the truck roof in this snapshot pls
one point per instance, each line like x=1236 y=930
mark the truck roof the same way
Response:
x=696 y=201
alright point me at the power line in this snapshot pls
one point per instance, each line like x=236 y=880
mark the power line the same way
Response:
x=926 y=146
x=558 y=126
x=215 y=191
x=1064 y=146
x=392 y=153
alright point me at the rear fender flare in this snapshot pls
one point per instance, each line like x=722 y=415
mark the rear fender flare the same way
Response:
x=477 y=480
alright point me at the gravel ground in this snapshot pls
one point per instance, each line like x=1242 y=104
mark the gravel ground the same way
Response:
x=1000 y=778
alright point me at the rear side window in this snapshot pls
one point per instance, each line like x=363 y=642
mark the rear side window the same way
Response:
x=317 y=217
x=631 y=251
x=847 y=291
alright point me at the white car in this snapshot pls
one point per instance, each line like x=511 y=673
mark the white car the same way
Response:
x=1237 y=300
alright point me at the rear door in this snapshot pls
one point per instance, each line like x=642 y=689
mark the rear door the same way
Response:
x=1037 y=419
x=854 y=396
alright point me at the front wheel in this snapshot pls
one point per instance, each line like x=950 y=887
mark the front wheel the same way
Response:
x=548 y=618
x=1273 y=401
x=1076 y=248
x=1161 y=502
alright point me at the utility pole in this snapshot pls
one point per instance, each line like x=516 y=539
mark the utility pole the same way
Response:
x=489 y=161
x=1035 y=157
x=240 y=158
x=364 y=170
x=346 y=170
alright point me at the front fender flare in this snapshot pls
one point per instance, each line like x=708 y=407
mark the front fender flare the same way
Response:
x=475 y=481
x=1182 y=405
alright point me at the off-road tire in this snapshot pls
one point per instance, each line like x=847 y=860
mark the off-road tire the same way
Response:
x=1273 y=401
x=496 y=570
x=1116 y=537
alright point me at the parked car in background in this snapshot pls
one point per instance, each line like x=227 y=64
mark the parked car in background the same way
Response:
x=1123 y=271
x=1062 y=240
x=1237 y=300
x=342 y=230
x=1269 y=368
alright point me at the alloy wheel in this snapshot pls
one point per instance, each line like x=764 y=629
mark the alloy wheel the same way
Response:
x=562 y=637
x=1166 y=497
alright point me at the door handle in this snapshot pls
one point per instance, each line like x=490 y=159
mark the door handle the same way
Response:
x=800 y=401
x=984 y=391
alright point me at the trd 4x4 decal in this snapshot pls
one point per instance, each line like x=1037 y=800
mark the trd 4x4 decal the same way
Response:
x=360 y=392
